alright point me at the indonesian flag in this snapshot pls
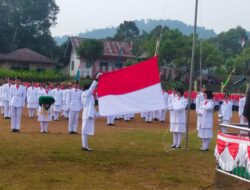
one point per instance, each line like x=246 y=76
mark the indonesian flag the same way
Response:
x=132 y=89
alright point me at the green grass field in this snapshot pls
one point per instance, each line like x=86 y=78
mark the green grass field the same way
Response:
x=132 y=155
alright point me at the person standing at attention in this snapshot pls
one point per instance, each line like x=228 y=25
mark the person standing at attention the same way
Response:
x=17 y=102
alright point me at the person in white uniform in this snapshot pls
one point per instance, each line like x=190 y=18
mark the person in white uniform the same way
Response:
x=198 y=103
x=178 y=128
x=110 y=120
x=58 y=96
x=226 y=112
x=6 y=98
x=32 y=101
x=17 y=102
x=74 y=105
x=1 y=100
x=171 y=98
x=45 y=115
x=242 y=102
x=89 y=113
x=162 y=113
x=206 y=130
x=65 y=108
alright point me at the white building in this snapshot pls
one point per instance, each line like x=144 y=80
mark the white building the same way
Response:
x=114 y=57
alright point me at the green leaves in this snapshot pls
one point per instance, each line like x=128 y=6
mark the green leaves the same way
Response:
x=90 y=49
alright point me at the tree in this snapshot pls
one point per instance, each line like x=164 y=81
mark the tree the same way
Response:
x=127 y=31
x=230 y=42
x=26 y=23
x=90 y=50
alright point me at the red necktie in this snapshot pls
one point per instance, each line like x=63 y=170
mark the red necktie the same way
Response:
x=17 y=86
x=206 y=102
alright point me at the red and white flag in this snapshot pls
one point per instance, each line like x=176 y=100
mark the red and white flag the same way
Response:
x=132 y=89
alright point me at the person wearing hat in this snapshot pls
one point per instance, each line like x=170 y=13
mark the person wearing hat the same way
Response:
x=178 y=127
x=58 y=96
x=74 y=105
x=198 y=102
x=89 y=113
x=32 y=101
x=206 y=130
x=6 y=88
x=17 y=102
x=225 y=111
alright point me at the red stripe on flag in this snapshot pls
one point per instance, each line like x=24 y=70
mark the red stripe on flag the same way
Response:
x=130 y=79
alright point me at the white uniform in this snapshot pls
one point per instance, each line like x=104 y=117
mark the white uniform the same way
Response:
x=44 y=116
x=6 y=97
x=162 y=113
x=178 y=127
x=74 y=105
x=58 y=96
x=206 y=129
x=148 y=116
x=110 y=120
x=242 y=102
x=198 y=103
x=65 y=98
x=32 y=101
x=226 y=113
x=171 y=98
x=88 y=114
x=17 y=102
x=1 y=101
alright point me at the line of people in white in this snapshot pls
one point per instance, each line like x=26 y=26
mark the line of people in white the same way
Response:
x=71 y=100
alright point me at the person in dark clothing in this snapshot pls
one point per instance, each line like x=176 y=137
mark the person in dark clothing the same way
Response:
x=246 y=110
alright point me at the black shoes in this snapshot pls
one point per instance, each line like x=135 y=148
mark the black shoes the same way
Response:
x=73 y=133
x=173 y=146
x=15 y=130
x=86 y=149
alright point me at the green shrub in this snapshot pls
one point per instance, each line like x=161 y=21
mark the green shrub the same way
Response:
x=36 y=76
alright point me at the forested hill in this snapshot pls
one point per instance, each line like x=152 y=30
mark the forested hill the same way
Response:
x=144 y=25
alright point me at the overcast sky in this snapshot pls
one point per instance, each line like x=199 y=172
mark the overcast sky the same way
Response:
x=80 y=15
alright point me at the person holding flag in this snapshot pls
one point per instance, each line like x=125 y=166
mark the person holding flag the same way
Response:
x=89 y=113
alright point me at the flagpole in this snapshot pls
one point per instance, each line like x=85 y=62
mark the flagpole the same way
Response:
x=191 y=73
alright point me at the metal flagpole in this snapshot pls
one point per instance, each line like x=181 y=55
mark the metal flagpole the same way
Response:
x=200 y=65
x=191 y=73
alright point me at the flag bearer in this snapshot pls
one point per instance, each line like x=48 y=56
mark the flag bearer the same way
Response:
x=89 y=113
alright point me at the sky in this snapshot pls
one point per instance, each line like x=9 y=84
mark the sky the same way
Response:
x=77 y=16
